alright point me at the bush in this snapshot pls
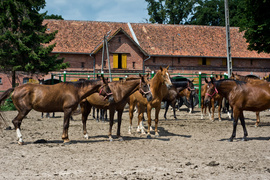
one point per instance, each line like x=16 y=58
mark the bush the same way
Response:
x=8 y=105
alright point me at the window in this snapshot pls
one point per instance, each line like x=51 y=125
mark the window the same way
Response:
x=0 y=80
x=154 y=59
x=82 y=64
x=119 y=61
x=119 y=39
x=25 y=80
x=179 y=60
x=133 y=64
x=251 y=62
x=204 y=61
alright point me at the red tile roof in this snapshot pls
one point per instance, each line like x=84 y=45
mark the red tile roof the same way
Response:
x=155 y=39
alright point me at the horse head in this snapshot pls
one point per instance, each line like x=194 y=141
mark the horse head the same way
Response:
x=105 y=90
x=211 y=91
x=165 y=77
x=145 y=87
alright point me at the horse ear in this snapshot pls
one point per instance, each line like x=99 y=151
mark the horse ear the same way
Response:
x=161 y=68
x=140 y=75
x=216 y=76
x=205 y=80
x=212 y=80
x=192 y=80
x=167 y=67
x=220 y=76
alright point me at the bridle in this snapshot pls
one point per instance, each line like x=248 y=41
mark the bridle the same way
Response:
x=141 y=90
x=106 y=94
x=211 y=95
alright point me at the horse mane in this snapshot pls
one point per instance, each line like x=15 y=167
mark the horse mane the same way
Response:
x=252 y=76
x=218 y=83
x=81 y=84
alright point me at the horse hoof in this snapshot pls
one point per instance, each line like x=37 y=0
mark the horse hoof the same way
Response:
x=8 y=128
x=20 y=143
x=67 y=143
x=148 y=136
x=244 y=139
x=157 y=135
x=111 y=139
x=230 y=140
x=121 y=139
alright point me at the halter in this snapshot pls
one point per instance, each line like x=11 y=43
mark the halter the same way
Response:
x=141 y=90
x=107 y=94
x=216 y=91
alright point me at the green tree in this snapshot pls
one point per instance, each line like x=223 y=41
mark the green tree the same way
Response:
x=212 y=13
x=256 y=24
x=54 y=16
x=23 y=39
x=169 y=11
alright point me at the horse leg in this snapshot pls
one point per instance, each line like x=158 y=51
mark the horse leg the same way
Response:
x=257 y=119
x=131 y=111
x=202 y=108
x=105 y=114
x=213 y=109
x=219 y=109
x=166 y=109
x=67 y=114
x=242 y=119
x=42 y=114
x=97 y=114
x=140 y=119
x=111 y=123
x=236 y=114
x=94 y=117
x=17 y=121
x=149 y=120
x=85 y=110
x=173 y=104
x=156 y=121
x=119 y=114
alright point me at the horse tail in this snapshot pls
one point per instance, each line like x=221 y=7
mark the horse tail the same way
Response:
x=6 y=94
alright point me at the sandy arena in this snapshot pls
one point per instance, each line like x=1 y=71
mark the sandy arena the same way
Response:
x=188 y=148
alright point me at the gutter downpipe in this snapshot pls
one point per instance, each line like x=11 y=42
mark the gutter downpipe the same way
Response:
x=144 y=61
x=94 y=64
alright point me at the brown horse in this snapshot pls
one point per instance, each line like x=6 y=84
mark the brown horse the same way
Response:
x=242 y=96
x=215 y=98
x=61 y=97
x=159 y=86
x=248 y=78
x=121 y=91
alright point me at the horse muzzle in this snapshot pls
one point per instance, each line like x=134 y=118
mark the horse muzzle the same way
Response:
x=149 y=97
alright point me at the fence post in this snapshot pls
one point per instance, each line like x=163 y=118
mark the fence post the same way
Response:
x=88 y=77
x=60 y=78
x=52 y=78
x=200 y=88
x=152 y=74
x=65 y=76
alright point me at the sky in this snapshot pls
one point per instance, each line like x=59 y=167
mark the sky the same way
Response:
x=134 y=11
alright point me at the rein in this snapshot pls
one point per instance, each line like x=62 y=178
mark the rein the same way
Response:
x=211 y=95
x=107 y=94
x=141 y=90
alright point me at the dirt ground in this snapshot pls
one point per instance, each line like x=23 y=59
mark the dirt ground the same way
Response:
x=188 y=148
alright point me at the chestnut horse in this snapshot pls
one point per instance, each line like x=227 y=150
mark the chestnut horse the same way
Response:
x=180 y=87
x=159 y=86
x=61 y=97
x=242 y=96
x=216 y=98
x=248 y=78
x=121 y=91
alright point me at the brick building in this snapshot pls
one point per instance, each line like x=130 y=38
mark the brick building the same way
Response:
x=141 y=47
